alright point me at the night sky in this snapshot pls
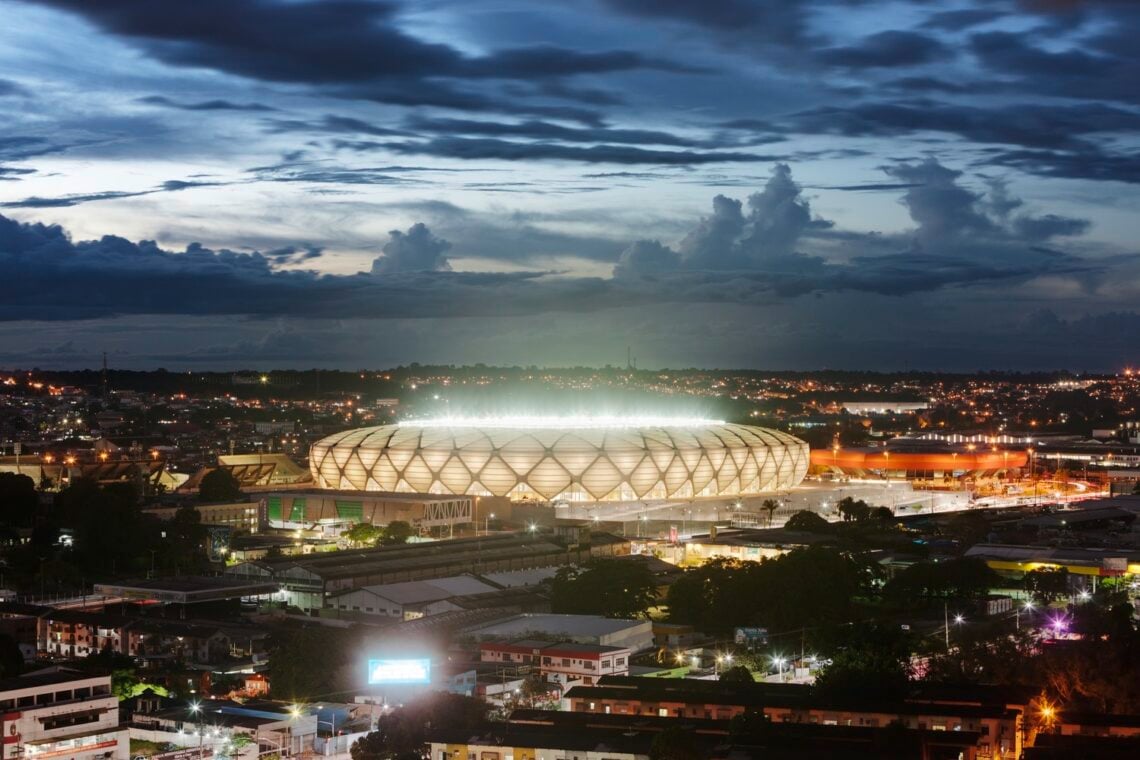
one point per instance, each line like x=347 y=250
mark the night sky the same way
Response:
x=717 y=183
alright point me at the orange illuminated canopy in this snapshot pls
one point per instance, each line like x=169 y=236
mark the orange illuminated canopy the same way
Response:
x=882 y=459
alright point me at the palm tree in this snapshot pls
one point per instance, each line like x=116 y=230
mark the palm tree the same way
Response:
x=771 y=505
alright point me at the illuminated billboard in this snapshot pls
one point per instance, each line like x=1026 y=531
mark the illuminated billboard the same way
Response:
x=399 y=671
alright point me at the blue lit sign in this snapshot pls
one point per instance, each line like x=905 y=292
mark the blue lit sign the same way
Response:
x=399 y=671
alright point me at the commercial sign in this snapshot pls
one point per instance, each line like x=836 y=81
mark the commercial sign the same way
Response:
x=751 y=636
x=407 y=671
x=185 y=754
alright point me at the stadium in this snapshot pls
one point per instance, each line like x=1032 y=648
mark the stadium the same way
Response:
x=563 y=459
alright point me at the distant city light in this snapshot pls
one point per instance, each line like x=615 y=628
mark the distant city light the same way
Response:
x=558 y=422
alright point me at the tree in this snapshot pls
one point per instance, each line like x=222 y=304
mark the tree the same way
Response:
x=615 y=588
x=397 y=532
x=363 y=534
x=187 y=539
x=874 y=665
x=960 y=578
x=673 y=743
x=808 y=522
x=1047 y=584
x=737 y=674
x=308 y=662
x=11 y=658
x=219 y=484
x=770 y=506
x=803 y=587
x=402 y=733
x=882 y=514
x=853 y=510
x=18 y=499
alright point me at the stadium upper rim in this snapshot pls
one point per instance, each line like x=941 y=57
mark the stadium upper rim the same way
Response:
x=554 y=459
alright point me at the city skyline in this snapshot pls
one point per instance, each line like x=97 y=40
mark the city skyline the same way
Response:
x=781 y=186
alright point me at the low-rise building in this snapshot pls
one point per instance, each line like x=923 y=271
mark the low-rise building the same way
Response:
x=994 y=719
x=563 y=663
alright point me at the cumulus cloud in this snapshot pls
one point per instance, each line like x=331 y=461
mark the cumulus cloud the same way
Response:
x=769 y=247
x=644 y=257
x=959 y=237
x=416 y=250
x=730 y=239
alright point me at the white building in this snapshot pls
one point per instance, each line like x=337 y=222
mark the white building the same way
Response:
x=64 y=714
x=636 y=635
x=411 y=599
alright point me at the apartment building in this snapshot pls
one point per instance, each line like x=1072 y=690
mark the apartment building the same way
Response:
x=63 y=714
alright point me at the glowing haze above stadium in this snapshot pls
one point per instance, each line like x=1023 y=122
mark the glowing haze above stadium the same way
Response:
x=576 y=422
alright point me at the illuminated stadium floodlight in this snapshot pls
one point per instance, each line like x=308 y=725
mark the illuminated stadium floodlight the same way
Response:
x=568 y=423
x=555 y=459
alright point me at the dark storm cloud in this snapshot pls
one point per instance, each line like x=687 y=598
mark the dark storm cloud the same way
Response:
x=1107 y=73
x=544 y=130
x=475 y=148
x=65 y=201
x=871 y=186
x=331 y=124
x=783 y=23
x=14 y=172
x=1026 y=125
x=35 y=201
x=1089 y=163
x=18 y=147
x=45 y=276
x=345 y=42
x=956 y=21
x=441 y=95
x=1049 y=226
x=888 y=49
x=9 y=88
x=205 y=105
x=925 y=85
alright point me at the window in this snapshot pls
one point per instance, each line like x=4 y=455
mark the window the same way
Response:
x=605 y=663
x=619 y=662
x=588 y=665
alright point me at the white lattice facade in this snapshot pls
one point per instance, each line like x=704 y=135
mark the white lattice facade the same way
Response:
x=554 y=463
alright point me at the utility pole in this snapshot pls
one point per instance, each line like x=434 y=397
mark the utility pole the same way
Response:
x=946 y=628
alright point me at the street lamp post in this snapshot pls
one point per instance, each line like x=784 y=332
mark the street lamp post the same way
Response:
x=1028 y=607
x=196 y=711
x=778 y=661
x=487 y=524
